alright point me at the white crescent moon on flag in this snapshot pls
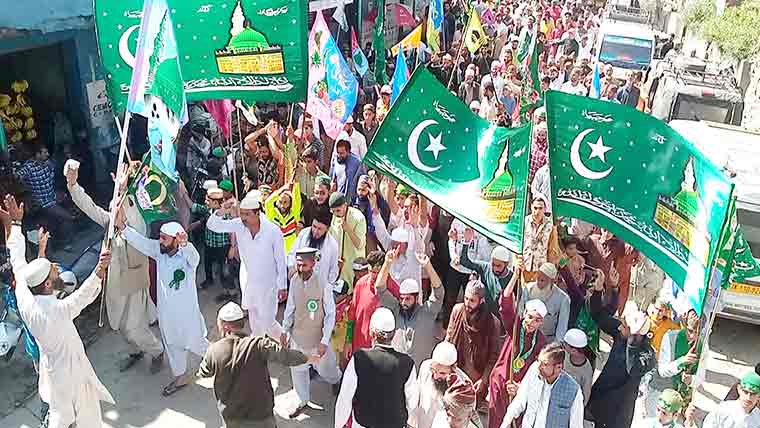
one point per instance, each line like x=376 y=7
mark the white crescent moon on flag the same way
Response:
x=578 y=165
x=413 y=142
x=124 y=51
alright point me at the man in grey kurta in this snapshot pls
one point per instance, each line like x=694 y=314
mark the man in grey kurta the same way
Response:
x=556 y=300
x=415 y=322
x=130 y=309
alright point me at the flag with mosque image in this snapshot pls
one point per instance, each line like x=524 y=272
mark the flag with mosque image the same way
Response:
x=228 y=49
x=475 y=36
x=633 y=175
x=157 y=89
x=473 y=169
x=333 y=88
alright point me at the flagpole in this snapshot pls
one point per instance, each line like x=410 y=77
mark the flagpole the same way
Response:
x=123 y=133
x=234 y=167
x=240 y=140
x=459 y=52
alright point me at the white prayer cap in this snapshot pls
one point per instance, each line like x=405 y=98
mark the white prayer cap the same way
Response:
x=501 y=253
x=251 y=201
x=386 y=89
x=637 y=321
x=445 y=354
x=215 y=192
x=172 y=229
x=383 y=320
x=536 y=306
x=549 y=270
x=399 y=234
x=36 y=272
x=210 y=184
x=576 y=338
x=475 y=105
x=68 y=277
x=231 y=312
x=409 y=286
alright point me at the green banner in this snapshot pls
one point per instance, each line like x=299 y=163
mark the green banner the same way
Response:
x=736 y=253
x=153 y=193
x=469 y=167
x=630 y=173
x=254 y=50
x=3 y=140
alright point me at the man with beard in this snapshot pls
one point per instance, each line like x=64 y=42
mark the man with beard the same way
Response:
x=350 y=230
x=469 y=90
x=67 y=381
x=741 y=413
x=354 y=137
x=496 y=274
x=263 y=271
x=364 y=302
x=264 y=143
x=317 y=237
x=407 y=237
x=345 y=169
x=283 y=208
x=436 y=374
x=318 y=203
x=474 y=331
x=416 y=326
x=557 y=301
x=308 y=324
x=548 y=397
x=613 y=395
x=380 y=384
x=517 y=354
x=370 y=203
x=183 y=329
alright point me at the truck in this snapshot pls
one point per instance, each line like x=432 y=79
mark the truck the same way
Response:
x=691 y=89
x=626 y=40
x=737 y=151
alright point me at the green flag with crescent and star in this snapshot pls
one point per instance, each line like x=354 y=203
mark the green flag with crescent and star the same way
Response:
x=228 y=49
x=468 y=166
x=633 y=175
x=153 y=193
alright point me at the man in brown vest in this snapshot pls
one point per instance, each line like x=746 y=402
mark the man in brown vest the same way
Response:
x=309 y=320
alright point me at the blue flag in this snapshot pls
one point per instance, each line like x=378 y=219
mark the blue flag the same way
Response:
x=596 y=83
x=400 y=76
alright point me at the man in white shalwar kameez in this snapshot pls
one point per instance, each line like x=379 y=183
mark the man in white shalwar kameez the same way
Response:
x=67 y=381
x=128 y=302
x=183 y=329
x=263 y=272
x=741 y=413
x=434 y=379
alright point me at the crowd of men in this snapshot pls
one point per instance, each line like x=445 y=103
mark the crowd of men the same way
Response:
x=412 y=315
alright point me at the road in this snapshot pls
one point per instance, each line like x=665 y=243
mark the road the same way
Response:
x=140 y=404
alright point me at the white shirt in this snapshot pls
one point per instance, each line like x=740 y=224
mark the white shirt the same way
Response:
x=406 y=265
x=344 y=404
x=541 y=184
x=327 y=266
x=479 y=251
x=179 y=314
x=358 y=143
x=64 y=366
x=569 y=88
x=532 y=401
x=729 y=414
x=430 y=405
x=262 y=269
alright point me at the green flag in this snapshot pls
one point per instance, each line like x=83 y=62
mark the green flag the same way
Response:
x=630 y=173
x=735 y=259
x=228 y=49
x=469 y=167
x=153 y=193
x=378 y=44
x=3 y=141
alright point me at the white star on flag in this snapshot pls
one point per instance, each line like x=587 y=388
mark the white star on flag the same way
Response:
x=435 y=145
x=598 y=149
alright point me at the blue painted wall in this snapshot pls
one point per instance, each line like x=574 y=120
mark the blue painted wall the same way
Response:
x=45 y=15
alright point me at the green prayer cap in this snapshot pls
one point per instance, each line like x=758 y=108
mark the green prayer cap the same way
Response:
x=218 y=152
x=322 y=180
x=337 y=199
x=751 y=382
x=226 y=185
x=401 y=189
x=670 y=401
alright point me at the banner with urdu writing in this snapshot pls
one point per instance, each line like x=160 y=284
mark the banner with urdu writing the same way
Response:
x=633 y=175
x=228 y=49
x=466 y=165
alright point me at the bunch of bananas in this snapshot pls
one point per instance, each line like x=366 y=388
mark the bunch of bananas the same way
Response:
x=17 y=114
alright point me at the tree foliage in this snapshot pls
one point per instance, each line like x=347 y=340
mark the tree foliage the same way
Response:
x=736 y=32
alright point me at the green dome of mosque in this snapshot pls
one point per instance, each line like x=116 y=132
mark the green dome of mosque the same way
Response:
x=687 y=202
x=167 y=84
x=249 y=39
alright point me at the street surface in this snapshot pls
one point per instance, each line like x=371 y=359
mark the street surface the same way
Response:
x=140 y=404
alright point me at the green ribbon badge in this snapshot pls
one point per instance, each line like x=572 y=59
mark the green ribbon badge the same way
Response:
x=179 y=276
x=312 y=305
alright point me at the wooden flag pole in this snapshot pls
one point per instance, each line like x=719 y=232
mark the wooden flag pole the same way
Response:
x=459 y=52
x=234 y=168
x=241 y=141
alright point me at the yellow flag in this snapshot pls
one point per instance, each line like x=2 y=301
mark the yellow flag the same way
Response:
x=475 y=36
x=412 y=40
